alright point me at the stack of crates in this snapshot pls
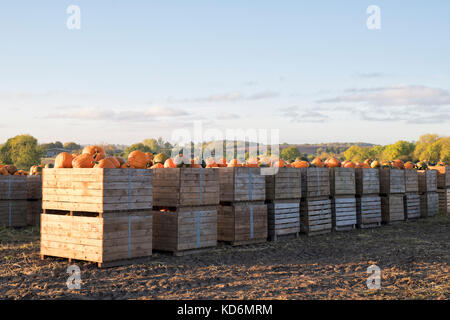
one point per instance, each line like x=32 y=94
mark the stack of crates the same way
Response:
x=343 y=200
x=283 y=194
x=242 y=217
x=443 y=188
x=392 y=191
x=429 y=201
x=315 y=204
x=185 y=203
x=412 y=198
x=368 y=201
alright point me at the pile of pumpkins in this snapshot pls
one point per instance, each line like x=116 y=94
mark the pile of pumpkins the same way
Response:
x=10 y=170
x=95 y=157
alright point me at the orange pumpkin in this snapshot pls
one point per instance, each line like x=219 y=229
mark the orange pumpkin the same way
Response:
x=349 y=164
x=124 y=166
x=368 y=161
x=157 y=165
x=252 y=163
x=300 y=164
x=98 y=153
x=114 y=161
x=234 y=163
x=222 y=163
x=398 y=164
x=280 y=163
x=106 y=164
x=317 y=162
x=211 y=163
x=333 y=163
x=409 y=165
x=63 y=160
x=169 y=163
x=11 y=169
x=138 y=160
x=83 y=161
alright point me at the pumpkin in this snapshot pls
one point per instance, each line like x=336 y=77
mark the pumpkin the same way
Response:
x=409 y=165
x=121 y=161
x=252 y=162
x=385 y=164
x=441 y=164
x=222 y=163
x=349 y=164
x=160 y=158
x=125 y=166
x=106 y=163
x=138 y=159
x=181 y=161
x=98 y=153
x=317 y=162
x=234 y=163
x=422 y=165
x=63 y=160
x=279 y=163
x=114 y=161
x=11 y=169
x=375 y=164
x=211 y=163
x=264 y=162
x=83 y=161
x=35 y=170
x=398 y=164
x=300 y=164
x=3 y=171
x=157 y=165
x=169 y=164
x=368 y=161
x=149 y=156
x=333 y=163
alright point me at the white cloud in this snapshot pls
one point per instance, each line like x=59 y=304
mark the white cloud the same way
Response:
x=395 y=96
x=232 y=96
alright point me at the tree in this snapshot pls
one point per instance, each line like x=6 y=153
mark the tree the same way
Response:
x=72 y=146
x=152 y=144
x=22 y=151
x=421 y=151
x=400 y=150
x=137 y=146
x=357 y=153
x=290 y=154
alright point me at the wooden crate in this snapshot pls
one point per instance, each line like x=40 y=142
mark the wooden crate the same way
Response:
x=343 y=212
x=443 y=177
x=186 y=230
x=427 y=180
x=242 y=223
x=412 y=205
x=342 y=181
x=185 y=187
x=315 y=182
x=34 y=187
x=444 y=202
x=429 y=204
x=283 y=218
x=367 y=181
x=13 y=188
x=107 y=239
x=368 y=211
x=392 y=208
x=241 y=184
x=411 y=181
x=285 y=184
x=97 y=190
x=392 y=181
x=34 y=210
x=13 y=213
x=315 y=215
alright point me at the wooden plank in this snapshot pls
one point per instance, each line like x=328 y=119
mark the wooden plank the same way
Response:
x=343 y=211
x=412 y=206
x=427 y=180
x=367 y=181
x=285 y=184
x=342 y=181
x=429 y=204
x=241 y=184
x=392 y=181
x=392 y=208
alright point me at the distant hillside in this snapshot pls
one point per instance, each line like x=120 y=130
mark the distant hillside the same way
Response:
x=335 y=147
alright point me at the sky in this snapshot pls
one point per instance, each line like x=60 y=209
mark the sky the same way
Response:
x=139 y=69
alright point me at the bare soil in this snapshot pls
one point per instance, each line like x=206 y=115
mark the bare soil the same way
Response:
x=413 y=257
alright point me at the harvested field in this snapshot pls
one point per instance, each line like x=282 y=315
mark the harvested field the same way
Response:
x=413 y=256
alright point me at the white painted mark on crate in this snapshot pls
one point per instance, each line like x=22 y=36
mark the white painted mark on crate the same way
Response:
x=197 y=225
x=129 y=237
x=251 y=221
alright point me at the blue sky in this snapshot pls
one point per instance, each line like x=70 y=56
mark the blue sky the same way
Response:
x=139 y=69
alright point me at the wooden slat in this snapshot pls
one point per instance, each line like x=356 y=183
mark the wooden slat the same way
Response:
x=342 y=181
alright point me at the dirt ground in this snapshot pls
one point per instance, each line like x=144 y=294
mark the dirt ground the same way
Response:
x=413 y=257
